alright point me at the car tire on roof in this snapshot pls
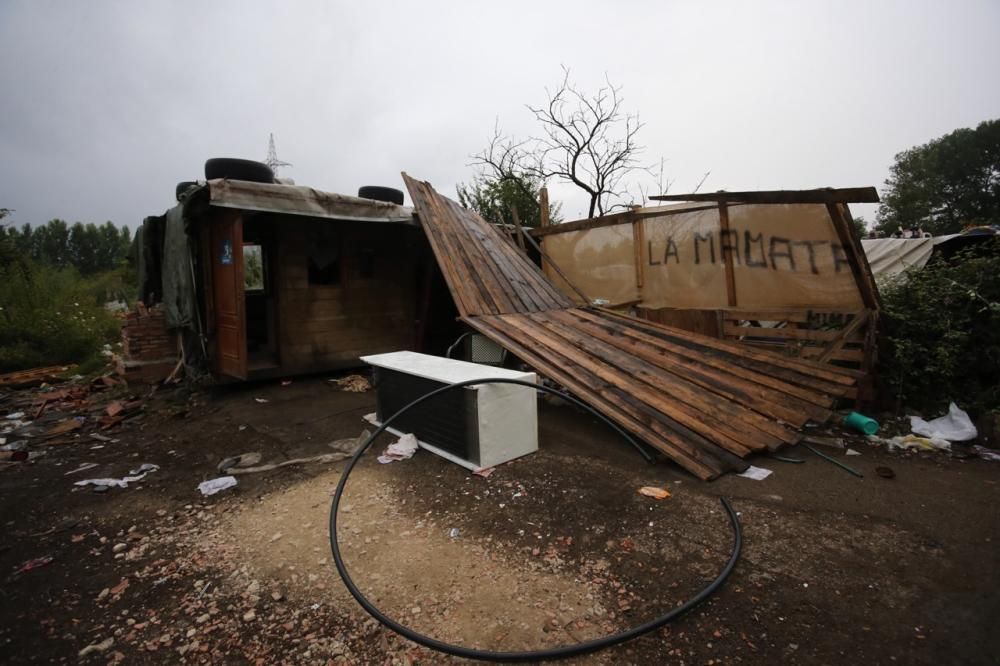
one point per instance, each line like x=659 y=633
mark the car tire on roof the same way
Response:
x=183 y=186
x=236 y=169
x=379 y=193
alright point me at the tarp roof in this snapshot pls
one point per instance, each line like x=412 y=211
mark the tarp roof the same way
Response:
x=298 y=200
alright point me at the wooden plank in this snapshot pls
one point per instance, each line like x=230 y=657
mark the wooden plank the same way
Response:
x=797 y=315
x=859 y=252
x=703 y=322
x=543 y=206
x=568 y=303
x=855 y=255
x=613 y=220
x=700 y=463
x=826 y=195
x=721 y=419
x=727 y=257
x=785 y=333
x=845 y=334
x=450 y=273
x=637 y=244
x=474 y=282
x=517 y=226
x=793 y=370
x=718 y=377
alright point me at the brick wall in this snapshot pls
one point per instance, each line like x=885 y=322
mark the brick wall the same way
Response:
x=149 y=349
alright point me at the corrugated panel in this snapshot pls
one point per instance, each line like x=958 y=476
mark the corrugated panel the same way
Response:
x=485 y=273
x=297 y=200
x=704 y=403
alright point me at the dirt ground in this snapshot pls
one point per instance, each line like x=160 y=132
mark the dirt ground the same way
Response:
x=550 y=549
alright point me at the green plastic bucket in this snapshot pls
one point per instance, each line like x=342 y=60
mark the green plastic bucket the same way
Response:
x=861 y=423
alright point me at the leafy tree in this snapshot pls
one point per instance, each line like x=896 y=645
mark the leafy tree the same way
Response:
x=941 y=332
x=89 y=248
x=946 y=184
x=493 y=199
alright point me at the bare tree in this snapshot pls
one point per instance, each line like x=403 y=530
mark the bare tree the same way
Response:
x=587 y=140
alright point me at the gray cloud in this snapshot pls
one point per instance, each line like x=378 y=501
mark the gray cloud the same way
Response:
x=106 y=105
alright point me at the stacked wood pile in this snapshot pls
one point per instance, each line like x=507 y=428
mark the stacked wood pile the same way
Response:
x=702 y=402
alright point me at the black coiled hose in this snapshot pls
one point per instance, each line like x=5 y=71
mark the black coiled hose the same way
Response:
x=561 y=652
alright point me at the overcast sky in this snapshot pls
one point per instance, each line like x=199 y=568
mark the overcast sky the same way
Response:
x=106 y=105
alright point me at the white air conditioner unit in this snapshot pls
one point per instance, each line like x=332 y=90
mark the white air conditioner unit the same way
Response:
x=478 y=426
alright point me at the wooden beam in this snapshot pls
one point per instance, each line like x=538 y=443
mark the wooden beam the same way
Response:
x=543 y=206
x=727 y=256
x=826 y=195
x=615 y=219
x=637 y=243
x=837 y=343
x=855 y=256
x=517 y=225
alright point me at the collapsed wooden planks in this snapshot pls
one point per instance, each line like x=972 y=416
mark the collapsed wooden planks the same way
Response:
x=702 y=402
x=485 y=273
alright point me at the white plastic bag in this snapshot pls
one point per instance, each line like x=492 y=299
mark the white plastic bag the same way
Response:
x=402 y=449
x=213 y=486
x=955 y=426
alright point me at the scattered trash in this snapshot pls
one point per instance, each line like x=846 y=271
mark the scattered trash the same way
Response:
x=852 y=452
x=244 y=460
x=986 y=454
x=832 y=442
x=657 y=493
x=286 y=382
x=353 y=383
x=484 y=471
x=402 y=449
x=786 y=459
x=350 y=445
x=756 y=473
x=213 y=486
x=836 y=462
x=99 y=437
x=885 y=472
x=101 y=489
x=103 y=646
x=261 y=400
x=14 y=416
x=144 y=469
x=35 y=563
x=82 y=468
x=322 y=458
x=19 y=445
x=861 y=423
x=907 y=442
x=955 y=426
x=454 y=532
x=136 y=475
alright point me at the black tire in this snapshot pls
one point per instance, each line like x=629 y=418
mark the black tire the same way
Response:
x=229 y=167
x=379 y=193
x=183 y=186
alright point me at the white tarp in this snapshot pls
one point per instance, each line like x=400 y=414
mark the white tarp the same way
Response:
x=891 y=256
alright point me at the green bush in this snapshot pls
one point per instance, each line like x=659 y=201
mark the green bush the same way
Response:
x=50 y=316
x=941 y=333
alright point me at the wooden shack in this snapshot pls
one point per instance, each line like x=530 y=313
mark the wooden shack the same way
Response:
x=270 y=279
x=779 y=270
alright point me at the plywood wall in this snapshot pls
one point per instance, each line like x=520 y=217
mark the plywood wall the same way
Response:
x=332 y=325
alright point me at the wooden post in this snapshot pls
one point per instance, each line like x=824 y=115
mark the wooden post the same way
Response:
x=517 y=225
x=543 y=205
x=727 y=256
x=638 y=240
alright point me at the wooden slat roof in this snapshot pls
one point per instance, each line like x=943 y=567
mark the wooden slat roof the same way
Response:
x=702 y=402
x=485 y=273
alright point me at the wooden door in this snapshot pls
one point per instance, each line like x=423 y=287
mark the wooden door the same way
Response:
x=227 y=288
